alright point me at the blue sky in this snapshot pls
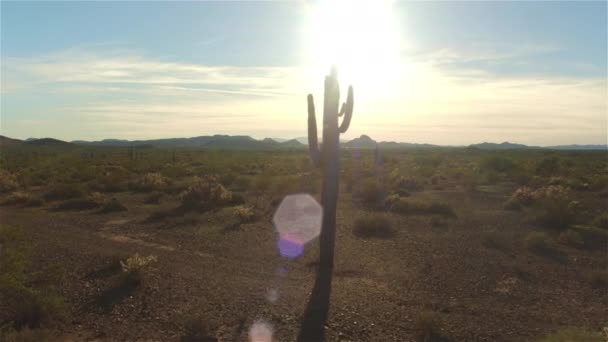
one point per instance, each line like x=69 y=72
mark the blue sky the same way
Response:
x=458 y=72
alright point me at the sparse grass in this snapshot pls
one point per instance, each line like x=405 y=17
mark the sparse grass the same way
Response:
x=410 y=207
x=573 y=335
x=427 y=327
x=373 y=225
x=23 y=199
x=28 y=301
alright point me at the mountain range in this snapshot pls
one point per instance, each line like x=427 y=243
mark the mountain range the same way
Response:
x=244 y=142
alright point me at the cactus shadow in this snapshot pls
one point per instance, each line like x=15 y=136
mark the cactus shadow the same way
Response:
x=315 y=315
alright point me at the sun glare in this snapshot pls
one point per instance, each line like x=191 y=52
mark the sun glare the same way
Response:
x=359 y=37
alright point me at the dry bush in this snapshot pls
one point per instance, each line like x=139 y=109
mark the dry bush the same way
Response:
x=153 y=198
x=245 y=214
x=373 y=225
x=427 y=327
x=408 y=207
x=24 y=199
x=601 y=221
x=76 y=204
x=59 y=192
x=571 y=238
x=205 y=194
x=8 y=182
x=137 y=263
x=152 y=181
x=112 y=206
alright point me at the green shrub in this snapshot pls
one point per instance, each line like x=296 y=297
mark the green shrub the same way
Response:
x=571 y=238
x=113 y=206
x=153 y=198
x=60 y=192
x=8 y=182
x=205 y=194
x=540 y=243
x=408 y=207
x=427 y=327
x=548 y=166
x=373 y=225
x=371 y=193
x=76 y=204
x=573 y=335
x=601 y=221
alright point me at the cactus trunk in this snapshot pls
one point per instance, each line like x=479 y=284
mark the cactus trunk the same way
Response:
x=328 y=158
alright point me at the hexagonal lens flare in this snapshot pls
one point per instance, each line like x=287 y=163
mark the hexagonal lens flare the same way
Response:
x=297 y=220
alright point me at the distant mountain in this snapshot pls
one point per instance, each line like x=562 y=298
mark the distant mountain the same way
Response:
x=231 y=142
x=502 y=146
x=46 y=142
x=293 y=143
x=362 y=142
x=578 y=147
x=6 y=141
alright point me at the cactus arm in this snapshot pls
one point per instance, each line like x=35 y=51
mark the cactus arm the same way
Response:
x=342 y=109
x=347 y=107
x=313 y=145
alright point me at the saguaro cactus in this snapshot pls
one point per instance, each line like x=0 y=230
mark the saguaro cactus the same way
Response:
x=328 y=158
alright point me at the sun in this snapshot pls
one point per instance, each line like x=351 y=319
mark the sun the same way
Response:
x=361 y=38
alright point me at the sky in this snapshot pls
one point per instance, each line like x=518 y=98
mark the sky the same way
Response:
x=451 y=73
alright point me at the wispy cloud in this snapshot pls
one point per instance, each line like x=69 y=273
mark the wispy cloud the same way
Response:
x=120 y=93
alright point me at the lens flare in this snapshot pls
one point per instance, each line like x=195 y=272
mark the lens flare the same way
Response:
x=260 y=331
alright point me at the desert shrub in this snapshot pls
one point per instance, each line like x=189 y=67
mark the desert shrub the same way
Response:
x=573 y=334
x=76 y=204
x=112 y=206
x=8 y=182
x=371 y=193
x=24 y=199
x=571 y=238
x=241 y=183
x=153 y=198
x=60 y=192
x=373 y=225
x=408 y=207
x=601 y=221
x=554 y=208
x=245 y=214
x=593 y=238
x=547 y=166
x=427 y=327
x=152 y=181
x=523 y=196
x=491 y=239
x=598 y=279
x=404 y=185
x=206 y=193
x=540 y=243
x=137 y=264
x=26 y=300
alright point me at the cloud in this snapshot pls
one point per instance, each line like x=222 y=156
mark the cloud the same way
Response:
x=124 y=94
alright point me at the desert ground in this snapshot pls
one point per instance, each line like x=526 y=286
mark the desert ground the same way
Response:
x=152 y=244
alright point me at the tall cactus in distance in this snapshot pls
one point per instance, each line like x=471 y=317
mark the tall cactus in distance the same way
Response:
x=328 y=158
